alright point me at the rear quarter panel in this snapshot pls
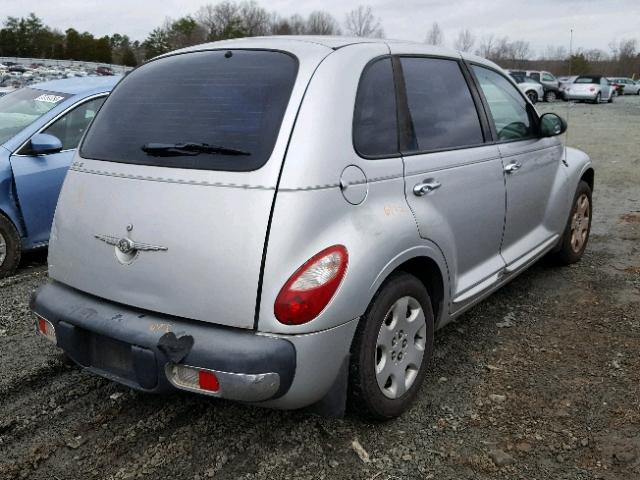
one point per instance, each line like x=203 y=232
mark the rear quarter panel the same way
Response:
x=310 y=212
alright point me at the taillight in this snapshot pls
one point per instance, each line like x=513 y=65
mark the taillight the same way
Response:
x=312 y=286
x=592 y=89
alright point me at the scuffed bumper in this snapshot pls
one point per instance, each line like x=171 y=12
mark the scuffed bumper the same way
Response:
x=124 y=344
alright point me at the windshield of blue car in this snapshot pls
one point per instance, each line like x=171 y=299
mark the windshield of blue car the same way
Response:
x=21 y=108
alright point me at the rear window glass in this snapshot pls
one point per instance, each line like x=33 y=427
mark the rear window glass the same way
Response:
x=587 y=80
x=230 y=99
x=375 y=123
x=442 y=109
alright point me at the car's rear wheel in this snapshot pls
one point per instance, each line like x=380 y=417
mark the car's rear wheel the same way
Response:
x=533 y=96
x=550 y=96
x=10 y=248
x=576 y=233
x=598 y=98
x=392 y=349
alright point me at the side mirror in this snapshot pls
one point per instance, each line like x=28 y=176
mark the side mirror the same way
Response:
x=552 y=125
x=43 y=143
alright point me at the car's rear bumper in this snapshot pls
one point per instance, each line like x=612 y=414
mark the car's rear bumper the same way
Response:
x=580 y=96
x=121 y=343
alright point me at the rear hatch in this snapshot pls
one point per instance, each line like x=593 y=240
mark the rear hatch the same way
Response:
x=167 y=204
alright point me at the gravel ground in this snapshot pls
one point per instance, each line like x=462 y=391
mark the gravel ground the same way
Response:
x=540 y=381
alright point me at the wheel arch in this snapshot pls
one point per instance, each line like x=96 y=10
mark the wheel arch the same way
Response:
x=589 y=176
x=430 y=267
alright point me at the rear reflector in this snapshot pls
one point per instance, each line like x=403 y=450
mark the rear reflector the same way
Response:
x=46 y=329
x=191 y=378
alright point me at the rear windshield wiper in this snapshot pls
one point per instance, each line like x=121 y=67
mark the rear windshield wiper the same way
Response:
x=178 y=149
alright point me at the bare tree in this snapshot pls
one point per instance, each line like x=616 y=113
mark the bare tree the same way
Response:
x=627 y=49
x=435 y=35
x=361 y=22
x=487 y=46
x=595 y=55
x=554 y=53
x=322 y=23
x=465 y=40
x=293 y=25
x=255 y=19
x=219 y=19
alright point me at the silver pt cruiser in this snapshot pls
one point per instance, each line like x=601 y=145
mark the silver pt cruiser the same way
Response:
x=285 y=221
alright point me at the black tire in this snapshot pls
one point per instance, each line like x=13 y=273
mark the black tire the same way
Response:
x=533 y=96
x=597 y=99
x=566 y=254
x=611 y=98
x=550 y=96
x=365 y=396
x=10 y=238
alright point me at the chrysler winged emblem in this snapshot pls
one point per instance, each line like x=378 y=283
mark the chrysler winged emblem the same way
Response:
x=126 y=249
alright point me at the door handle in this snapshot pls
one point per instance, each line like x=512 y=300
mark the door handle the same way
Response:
x=425 y=187
x=513 y=167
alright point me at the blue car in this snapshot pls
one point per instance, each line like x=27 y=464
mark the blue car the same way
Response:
x=40 y=128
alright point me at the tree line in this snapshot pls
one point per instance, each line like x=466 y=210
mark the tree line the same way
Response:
x=29 y=37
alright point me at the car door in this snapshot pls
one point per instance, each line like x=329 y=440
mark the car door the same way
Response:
x=530 y=166
x=38 y=178
x=453 y=179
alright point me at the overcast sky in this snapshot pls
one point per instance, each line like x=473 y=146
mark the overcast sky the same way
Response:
x=540 y=22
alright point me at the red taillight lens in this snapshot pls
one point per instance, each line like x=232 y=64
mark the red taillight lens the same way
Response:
x=46 y=329
x=208 y=381
x=312 y=286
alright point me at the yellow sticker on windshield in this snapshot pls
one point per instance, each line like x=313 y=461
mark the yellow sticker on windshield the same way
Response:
x=49 y=98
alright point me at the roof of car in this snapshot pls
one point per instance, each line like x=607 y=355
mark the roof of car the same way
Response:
x=80 y=85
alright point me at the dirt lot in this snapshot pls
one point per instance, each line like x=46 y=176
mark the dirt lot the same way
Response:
x=541 y=381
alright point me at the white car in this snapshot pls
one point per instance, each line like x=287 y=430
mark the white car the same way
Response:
x=532 y=89
x=593 y=88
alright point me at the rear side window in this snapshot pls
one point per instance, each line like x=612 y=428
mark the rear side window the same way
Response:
x=232 y=99
x=441 y=106
x=375 y=123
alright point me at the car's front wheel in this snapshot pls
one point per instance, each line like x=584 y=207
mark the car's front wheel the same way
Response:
x=533 y=96
x=550 y=96
x=392 y=349
x=576 y=233
x=10 y=248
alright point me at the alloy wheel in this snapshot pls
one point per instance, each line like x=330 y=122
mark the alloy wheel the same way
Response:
x=3 y=249
x=400 y=347
x=580 y=223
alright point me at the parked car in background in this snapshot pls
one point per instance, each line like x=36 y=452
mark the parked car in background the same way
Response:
x=529 y=87
x=565 y=81
x=247 y=239
x=102 y=70
x=593 y=88
x=549 y=82
x=629 y=87
x=40 y=127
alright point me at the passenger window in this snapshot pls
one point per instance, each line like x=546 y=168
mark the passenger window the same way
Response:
x=375 y=123
x=70 y=127
x=548 y=77
x=535 y=76
x=508 y=107
x=440 y=104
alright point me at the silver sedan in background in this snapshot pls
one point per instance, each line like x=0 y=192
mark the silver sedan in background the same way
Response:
x=593 y=88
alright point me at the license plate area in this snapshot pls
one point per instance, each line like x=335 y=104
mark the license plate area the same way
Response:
x=111 y=356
